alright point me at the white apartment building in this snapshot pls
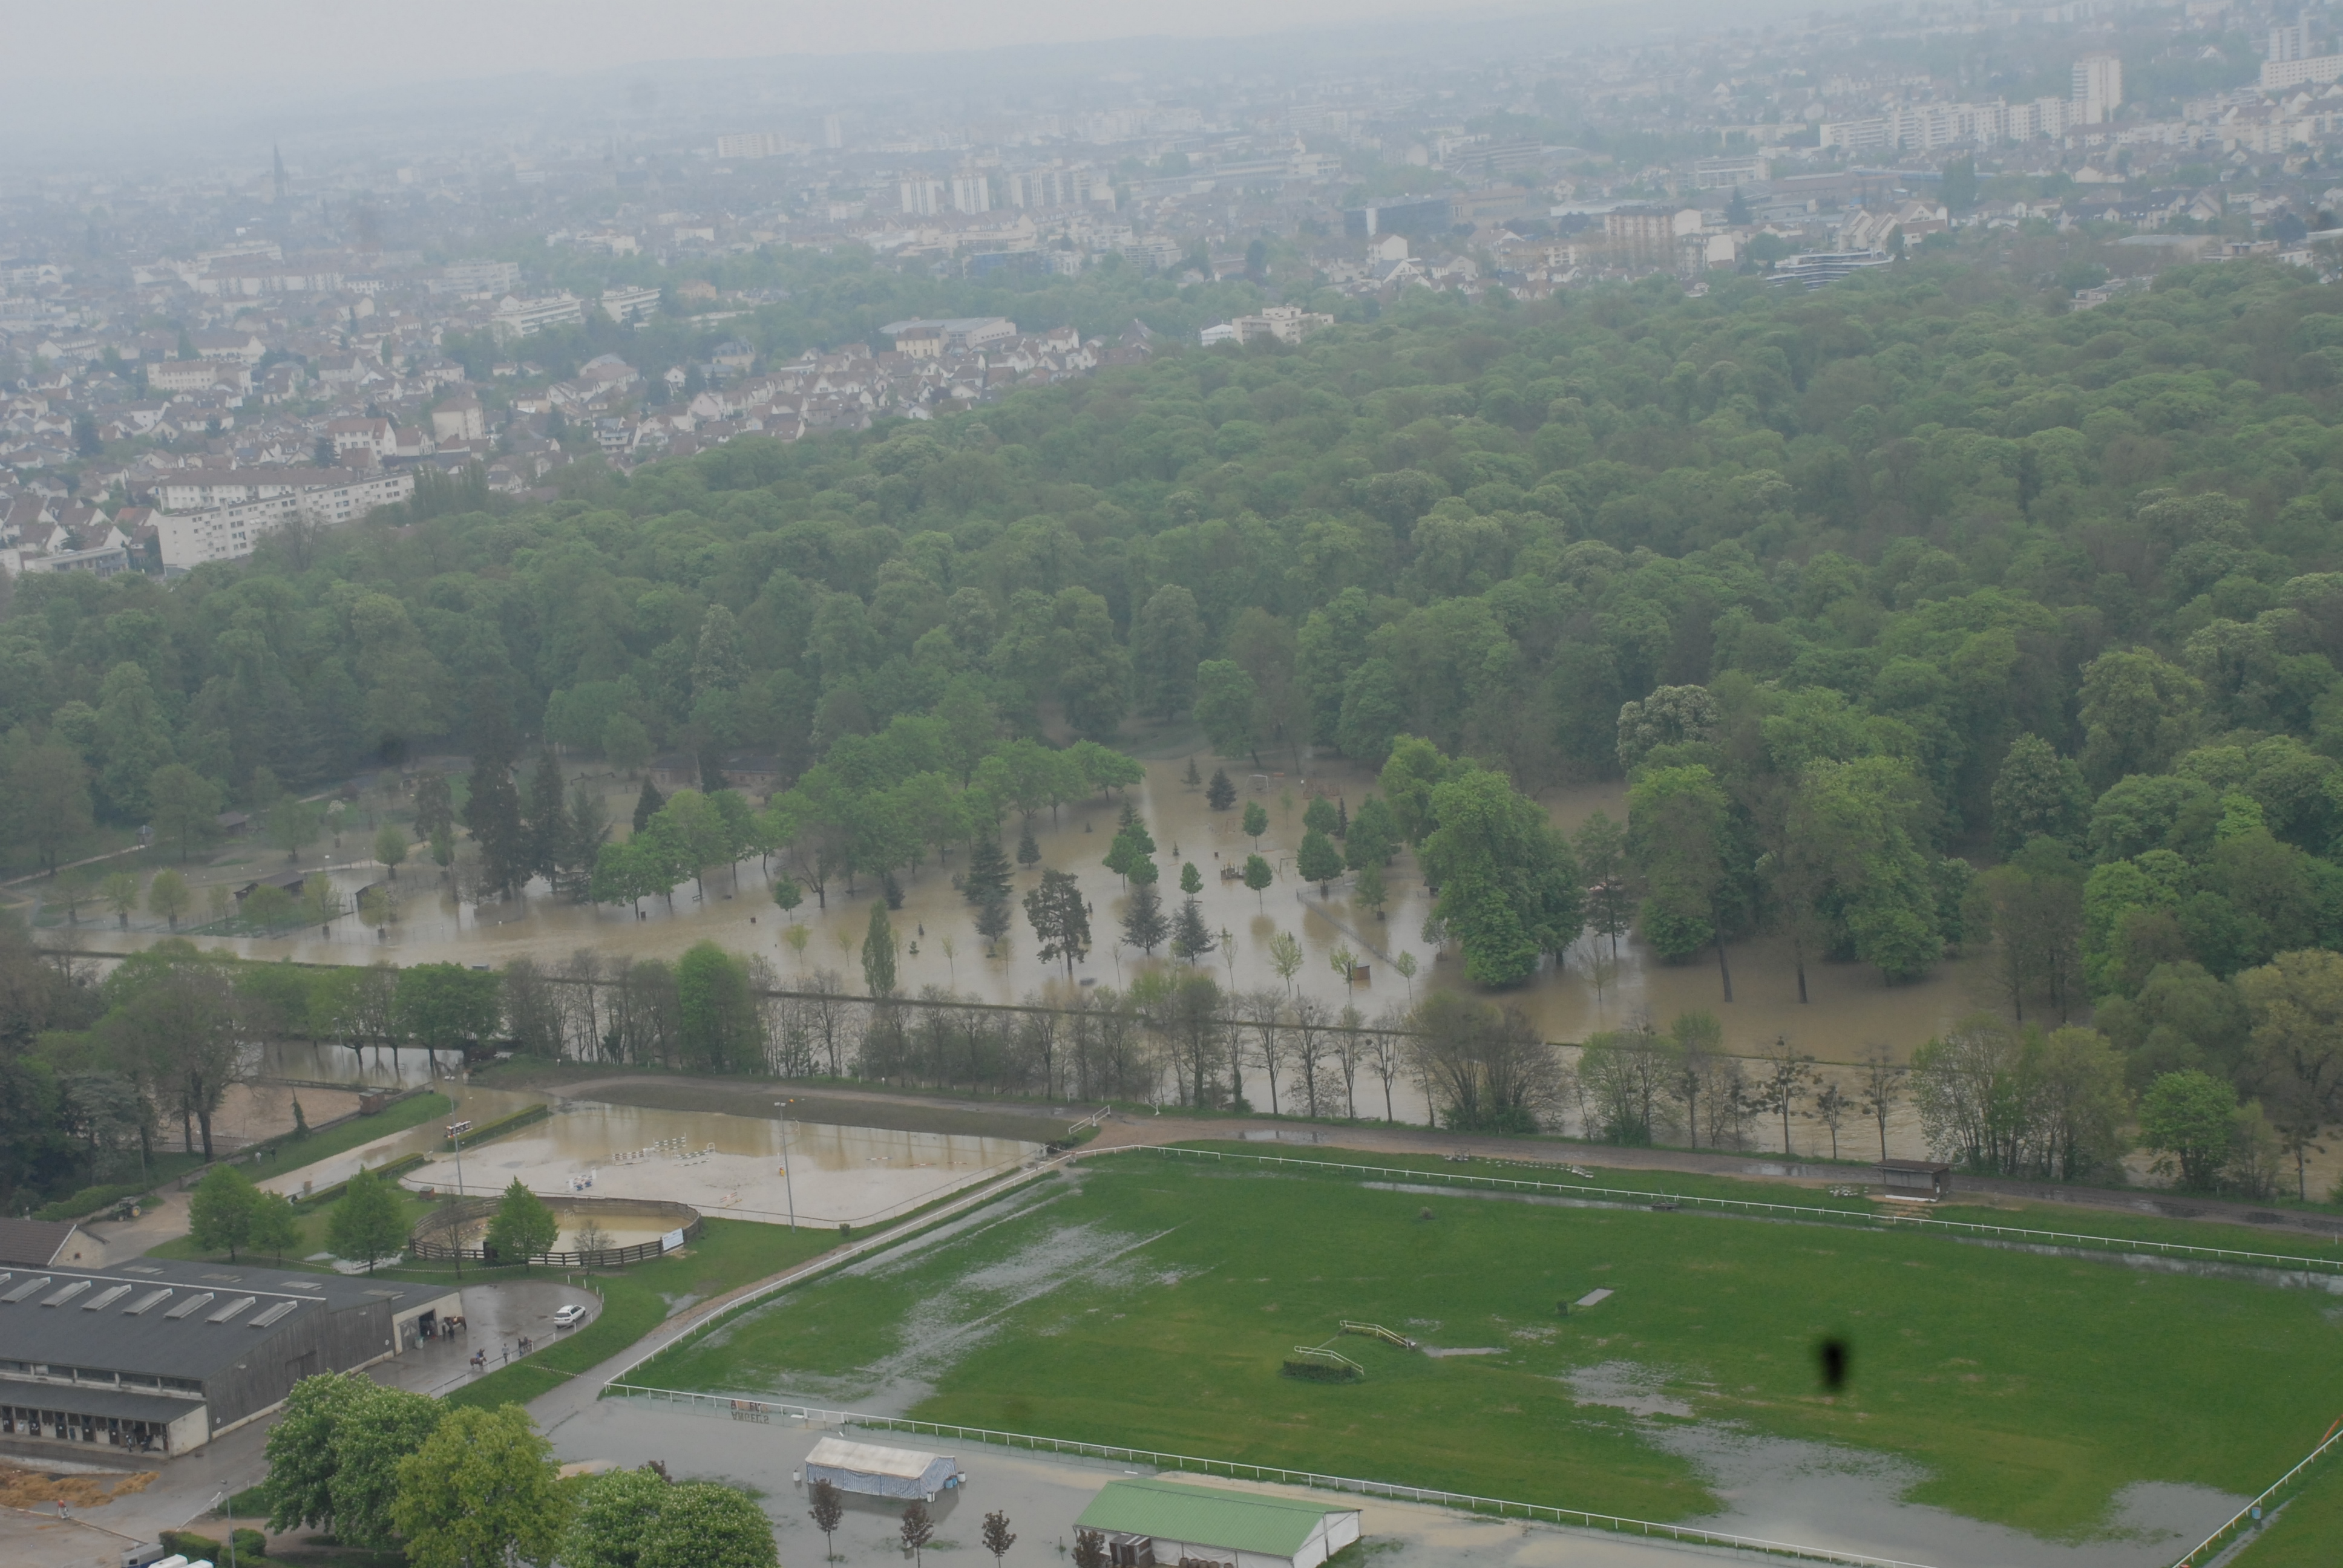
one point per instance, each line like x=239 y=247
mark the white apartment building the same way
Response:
x=519 y=317
x=2278 y=75
x=1056 y=187
x=923 y=197
x=2099 y=87
x=221 y=516
x=623 y=304
x=1924 y=126
x=971 y=193
x=752 y=144
x=476 y=277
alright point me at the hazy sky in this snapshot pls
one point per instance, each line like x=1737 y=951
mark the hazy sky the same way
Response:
x=234 y=47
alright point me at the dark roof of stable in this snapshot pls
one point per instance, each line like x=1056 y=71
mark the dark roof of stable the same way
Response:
x=82 y=1400
x=101 y=1324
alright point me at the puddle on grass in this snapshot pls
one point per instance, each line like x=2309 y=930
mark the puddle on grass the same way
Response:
x=1849 y=1500
x=943 y=1327
x=1625 y=1385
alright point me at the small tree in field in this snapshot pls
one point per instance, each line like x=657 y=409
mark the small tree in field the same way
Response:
x=390 y=848
x=120 y=891
x=524 y=1228
x=1089 y=1548
x=169 y=896
x=918 y=1528
x=996 y=1537
x=1256 y=821
x=829 y=1512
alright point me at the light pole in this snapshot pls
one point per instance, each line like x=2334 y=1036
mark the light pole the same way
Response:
x=456 y=1131
x=227 y=1507
x=788 y=1177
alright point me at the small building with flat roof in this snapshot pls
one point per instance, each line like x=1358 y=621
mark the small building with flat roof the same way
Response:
x=1152 y=1521
x=160 y=1356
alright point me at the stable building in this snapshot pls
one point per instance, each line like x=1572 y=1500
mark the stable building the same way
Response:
x=161 y=1357
x=1155 y=1522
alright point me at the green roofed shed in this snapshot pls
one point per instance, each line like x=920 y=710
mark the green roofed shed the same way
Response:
x=1154 y=1522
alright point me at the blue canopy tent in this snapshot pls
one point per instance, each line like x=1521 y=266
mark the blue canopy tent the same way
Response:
x=876 y=1471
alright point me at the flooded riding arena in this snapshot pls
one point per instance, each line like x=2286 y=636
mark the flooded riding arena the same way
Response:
x=729 y=1167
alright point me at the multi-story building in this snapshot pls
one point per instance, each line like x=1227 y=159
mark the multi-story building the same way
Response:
x=2099 y=87
x=972 y=192
x=923 y=197
x=622 y=303
x=476 y=277
x=220 y=515
x=752 y=144
x=519 y=317
x=1059 y=185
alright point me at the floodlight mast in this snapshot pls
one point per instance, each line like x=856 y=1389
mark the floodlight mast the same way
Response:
x=788 y=1177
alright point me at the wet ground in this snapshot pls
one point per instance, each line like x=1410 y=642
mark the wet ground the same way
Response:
x=1774 y=1489
x=735 y=1167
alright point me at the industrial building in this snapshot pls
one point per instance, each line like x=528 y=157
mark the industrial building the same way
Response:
x=161 y=1357
x=1153 y=1522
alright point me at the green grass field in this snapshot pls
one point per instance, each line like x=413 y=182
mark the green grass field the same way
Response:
x=2304 y=1535
x=2077 y=1219
x=1151 y=1302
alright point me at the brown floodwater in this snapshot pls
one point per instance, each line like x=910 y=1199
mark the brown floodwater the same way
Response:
x=1851 y=1009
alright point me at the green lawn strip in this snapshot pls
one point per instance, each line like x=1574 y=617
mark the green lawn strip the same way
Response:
x=398 y=1117
x=2064 y=1219
x=309 y=1225
x=2031 y=1389
x=728 y=1254
x=2305 y=1534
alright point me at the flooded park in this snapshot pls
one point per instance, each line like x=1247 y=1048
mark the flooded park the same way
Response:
x=1350 y=958
x=1852 y=1009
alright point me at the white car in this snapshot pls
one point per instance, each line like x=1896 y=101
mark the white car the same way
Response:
x=568 y=1317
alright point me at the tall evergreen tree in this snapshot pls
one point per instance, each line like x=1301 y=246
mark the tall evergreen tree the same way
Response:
x=493 y=811
x=986 y=877
x=1219 y=794
x=648 y=804
x=1143 y=924
x=1191 y=938
x=548 y=816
